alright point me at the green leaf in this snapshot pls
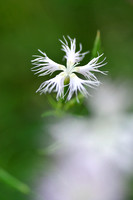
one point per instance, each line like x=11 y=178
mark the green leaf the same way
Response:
x=49 y=113
x=50 y=149
x=97 y=45
x=73 y=102
x=13 y=182
x=53 y=113
x=52 y=101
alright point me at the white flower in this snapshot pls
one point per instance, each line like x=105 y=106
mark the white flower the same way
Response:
x=111 y=99
x=92 y=160
x=44 y=66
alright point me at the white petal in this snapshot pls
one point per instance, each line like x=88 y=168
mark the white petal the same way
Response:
x=77 y=84
x=93 y=65
x=55 y=84
x=45 y=65
x=72 y=56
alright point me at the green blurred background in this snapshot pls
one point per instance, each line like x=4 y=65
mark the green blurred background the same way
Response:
x=28 y=25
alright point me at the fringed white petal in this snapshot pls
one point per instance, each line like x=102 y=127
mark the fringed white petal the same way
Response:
x=72 y=56
x=93 y=65
x=44 y=65
x=55 y=84
x=77 y=84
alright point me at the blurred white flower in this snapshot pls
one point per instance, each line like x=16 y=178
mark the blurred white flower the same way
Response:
x=44 y=66
x=111 y=98
x=93 y=159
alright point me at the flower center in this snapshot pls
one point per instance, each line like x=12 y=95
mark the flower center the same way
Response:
x=70 y=67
